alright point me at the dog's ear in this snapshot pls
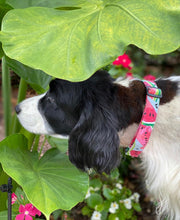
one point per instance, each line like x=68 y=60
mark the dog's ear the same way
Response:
x=94 y=141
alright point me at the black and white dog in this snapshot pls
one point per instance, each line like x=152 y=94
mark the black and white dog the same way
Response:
x=101 y=114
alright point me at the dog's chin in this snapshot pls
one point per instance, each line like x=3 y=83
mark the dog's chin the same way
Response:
x=31 y=119
x=36 y=126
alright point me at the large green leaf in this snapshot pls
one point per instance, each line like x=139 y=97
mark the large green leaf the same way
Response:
x=50 y=183
x=45 y=3
x=74 y=44
x=37 y=78
x=4 y=8
x=4 y=215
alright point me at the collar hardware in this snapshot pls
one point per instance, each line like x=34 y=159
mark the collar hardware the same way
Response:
x=153 y=92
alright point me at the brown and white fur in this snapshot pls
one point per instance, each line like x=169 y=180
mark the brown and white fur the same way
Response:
x=161 y=157
x=99 y=115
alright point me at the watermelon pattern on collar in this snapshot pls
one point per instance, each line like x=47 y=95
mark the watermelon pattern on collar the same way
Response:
x=148 y=119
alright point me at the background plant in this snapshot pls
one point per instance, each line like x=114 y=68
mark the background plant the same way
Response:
x=108 y=198
x=69 y=40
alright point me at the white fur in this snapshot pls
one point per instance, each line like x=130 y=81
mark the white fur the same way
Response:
x=161 y=157
x=30 y=117
x=161 y=160
x=176 y=79
x=32 y=120
x=122 y=81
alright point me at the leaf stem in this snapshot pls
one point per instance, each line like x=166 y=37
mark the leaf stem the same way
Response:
x=6 y=95
x=36 y=143
x=42 y=146
x=21 y=96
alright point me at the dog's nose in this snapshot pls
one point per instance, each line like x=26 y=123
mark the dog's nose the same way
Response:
x=17 y=109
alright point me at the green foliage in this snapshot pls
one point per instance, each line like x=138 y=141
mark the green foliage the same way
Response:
x=71 y=39
x=36 y=78
x=4 y=215
x=144 y=63
x=50 y=183
x=108 y=194
x=94 y=200
x=110 y=199
x=56 y=214
x=61 y=144
x=1 y=51
x=96 y=183
x=4 y=8
x=45 y=3
x=3 y=196
x=92 y=37
x=21 y=199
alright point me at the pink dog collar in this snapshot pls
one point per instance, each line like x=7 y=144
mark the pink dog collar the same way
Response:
x=148 y=119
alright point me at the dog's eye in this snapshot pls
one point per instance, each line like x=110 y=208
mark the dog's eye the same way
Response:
x=50 y=100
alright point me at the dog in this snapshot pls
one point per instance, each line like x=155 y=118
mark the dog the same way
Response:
x=101 y=114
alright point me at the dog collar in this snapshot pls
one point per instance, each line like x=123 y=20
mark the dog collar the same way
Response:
x=140 y=140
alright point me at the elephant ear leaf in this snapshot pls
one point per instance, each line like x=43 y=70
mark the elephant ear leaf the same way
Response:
x=66 y=4
x=50 y=183
x=38 y=79
x=73 y=44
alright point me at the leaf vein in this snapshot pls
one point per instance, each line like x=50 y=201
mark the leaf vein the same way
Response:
x=134 y=17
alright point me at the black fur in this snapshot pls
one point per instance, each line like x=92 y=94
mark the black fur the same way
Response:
x=86 y=112
x=92 y=113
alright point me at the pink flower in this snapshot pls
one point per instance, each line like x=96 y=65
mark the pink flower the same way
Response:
x=65 y=216
x=27 y=211
x=150 y=77
x=36 y=211
x=129 y=75
x=13 y=198
x=123 y=60
x=129 y=67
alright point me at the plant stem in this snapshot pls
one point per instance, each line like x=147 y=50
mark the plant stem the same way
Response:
x=36 y=143
x=21 y=96
x=42 y=146
x=22 y=90
x=6 y=94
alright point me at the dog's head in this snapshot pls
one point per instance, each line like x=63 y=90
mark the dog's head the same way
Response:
x=84 y=111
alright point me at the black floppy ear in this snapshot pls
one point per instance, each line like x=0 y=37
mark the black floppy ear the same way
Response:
x=94 y=141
